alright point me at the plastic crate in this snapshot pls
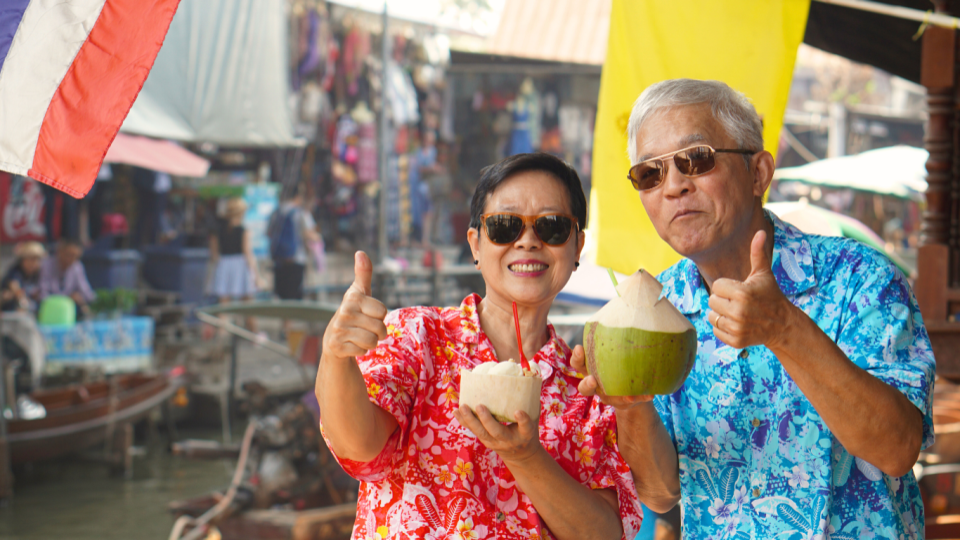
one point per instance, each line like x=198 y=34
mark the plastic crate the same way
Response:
x=177 y=269
x=111 y=345
x=112 y=269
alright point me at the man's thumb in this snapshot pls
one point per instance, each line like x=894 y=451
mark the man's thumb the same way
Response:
x=759 y=259
x=363 y=273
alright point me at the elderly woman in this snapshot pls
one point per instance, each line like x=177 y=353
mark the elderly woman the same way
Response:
x=388 y=388
x=21 y=285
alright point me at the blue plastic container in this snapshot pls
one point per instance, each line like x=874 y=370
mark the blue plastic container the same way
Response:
x=177 y=269
x=112 y=269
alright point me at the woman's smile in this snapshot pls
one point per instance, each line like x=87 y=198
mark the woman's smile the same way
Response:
x=528 y=268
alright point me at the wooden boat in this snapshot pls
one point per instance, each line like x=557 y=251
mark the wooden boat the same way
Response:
x=81 y=416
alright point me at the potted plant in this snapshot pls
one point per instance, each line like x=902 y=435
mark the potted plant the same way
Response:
x=114 y=303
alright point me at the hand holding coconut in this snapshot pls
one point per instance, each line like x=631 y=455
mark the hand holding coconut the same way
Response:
x=754 y=311
x=514 y=443
x=590 y=387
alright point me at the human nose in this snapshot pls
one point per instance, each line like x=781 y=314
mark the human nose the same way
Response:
x=675 y=183
x=528 y=238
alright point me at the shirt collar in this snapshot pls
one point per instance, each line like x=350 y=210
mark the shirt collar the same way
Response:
x=792 y=267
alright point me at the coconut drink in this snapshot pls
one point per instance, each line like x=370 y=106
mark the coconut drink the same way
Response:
x=503 y=388
x=639 y=344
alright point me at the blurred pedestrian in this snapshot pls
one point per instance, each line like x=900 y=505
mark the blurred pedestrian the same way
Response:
x=292 y=230
x=235 y=277
x=64 y=274
x=20 y=287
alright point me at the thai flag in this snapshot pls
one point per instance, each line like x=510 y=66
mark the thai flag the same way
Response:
x=69 y=72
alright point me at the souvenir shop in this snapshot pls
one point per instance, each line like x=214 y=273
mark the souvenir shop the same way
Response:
x=339 y=80
x=506 y=105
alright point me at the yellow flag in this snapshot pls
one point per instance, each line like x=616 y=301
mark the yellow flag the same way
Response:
x=749 y=44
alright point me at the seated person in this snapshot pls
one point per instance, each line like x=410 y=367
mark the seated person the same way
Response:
x=20 y=287
x=64 y=274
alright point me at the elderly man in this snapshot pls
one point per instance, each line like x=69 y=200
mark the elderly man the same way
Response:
x=811 y=396
x=64 y=274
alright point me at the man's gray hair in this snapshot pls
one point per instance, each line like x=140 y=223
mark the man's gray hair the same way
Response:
x=731 y=108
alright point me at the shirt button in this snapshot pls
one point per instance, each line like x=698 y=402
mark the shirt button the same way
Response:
x=755 y=422
x=756 y=492
x=744 y=354
x=501 y=516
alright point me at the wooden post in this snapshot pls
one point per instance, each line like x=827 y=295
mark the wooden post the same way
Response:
x=939 y=232
x=938 y=262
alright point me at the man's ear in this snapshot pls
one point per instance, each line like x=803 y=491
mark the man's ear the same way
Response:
x=763 y=166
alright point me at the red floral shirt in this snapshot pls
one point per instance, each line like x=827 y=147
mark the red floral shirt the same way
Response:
x=434 y=479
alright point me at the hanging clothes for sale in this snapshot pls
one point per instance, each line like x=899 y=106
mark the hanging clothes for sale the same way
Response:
x=520 y=142
x=367 y=153
x=356 y=47
x=526 y=119
x=345 y=141
x=366 y=143
x=392 y=193
x=401 y=95
x=403 y=194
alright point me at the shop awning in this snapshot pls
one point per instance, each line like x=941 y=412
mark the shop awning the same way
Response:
x=220 y=77
x=575 y=31
x=568 y=31
x=898 y=171
x=163 y=156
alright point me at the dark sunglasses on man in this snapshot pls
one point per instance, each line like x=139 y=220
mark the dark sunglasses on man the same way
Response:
x=552 y=229
x=692 y=161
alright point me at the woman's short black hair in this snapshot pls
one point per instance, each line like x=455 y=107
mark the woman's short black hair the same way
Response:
x=494 y=175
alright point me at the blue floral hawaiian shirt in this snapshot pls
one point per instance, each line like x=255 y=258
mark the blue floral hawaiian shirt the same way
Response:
x=756 y=459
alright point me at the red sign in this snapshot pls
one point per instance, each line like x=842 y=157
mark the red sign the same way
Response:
x=21 y=211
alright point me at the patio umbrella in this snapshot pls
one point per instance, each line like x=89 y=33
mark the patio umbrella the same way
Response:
x=898 y=171
x=815 y=220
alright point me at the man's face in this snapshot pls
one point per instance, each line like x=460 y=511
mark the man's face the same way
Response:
x=67 y=255
x=700 y=214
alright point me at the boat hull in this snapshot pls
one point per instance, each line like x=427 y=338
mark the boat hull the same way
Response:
x=82 y=416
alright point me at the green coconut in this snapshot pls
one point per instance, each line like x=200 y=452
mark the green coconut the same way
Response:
x=639 y=344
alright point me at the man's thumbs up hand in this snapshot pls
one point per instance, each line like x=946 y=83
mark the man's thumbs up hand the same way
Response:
x=761 y=262
x=753 y=311
x=358 y=325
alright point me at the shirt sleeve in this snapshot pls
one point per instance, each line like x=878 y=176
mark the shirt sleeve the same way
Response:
x=48 y=282
x=391 y=373
x=82 y=284
x=308 y=223
x=613 y=472
x=882 y=332
x=664 y=406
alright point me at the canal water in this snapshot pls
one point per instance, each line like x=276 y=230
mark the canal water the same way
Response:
x=76 y=499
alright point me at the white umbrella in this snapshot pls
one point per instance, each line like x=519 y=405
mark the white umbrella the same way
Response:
x=899 y=171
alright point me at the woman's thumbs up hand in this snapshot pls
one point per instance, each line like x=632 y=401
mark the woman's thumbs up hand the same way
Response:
x=357 y=326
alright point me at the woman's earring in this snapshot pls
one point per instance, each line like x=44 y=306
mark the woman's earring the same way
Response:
x=576 y=264
x=476 y=262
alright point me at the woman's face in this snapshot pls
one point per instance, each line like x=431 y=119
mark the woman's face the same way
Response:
x=30 y=265
x=527 y=271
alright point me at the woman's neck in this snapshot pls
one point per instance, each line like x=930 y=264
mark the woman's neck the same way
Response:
x=496 y=319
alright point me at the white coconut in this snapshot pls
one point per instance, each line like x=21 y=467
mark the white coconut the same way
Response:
x=503 y=388
x=640 y=306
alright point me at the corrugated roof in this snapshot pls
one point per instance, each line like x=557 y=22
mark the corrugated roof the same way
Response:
x=573 y=31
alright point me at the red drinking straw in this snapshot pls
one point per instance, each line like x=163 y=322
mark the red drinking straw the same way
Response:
x=516 y=322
